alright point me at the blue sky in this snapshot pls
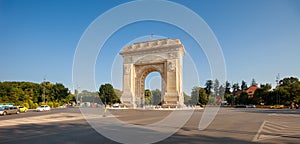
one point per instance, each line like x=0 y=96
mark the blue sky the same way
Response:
x=259 y=39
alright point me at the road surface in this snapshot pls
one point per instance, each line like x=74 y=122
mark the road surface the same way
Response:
x=231 y=125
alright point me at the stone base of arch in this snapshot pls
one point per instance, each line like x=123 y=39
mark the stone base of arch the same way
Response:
x=128 y=100
x=173 y=101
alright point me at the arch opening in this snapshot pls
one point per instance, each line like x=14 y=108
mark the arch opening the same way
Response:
x=152 y=90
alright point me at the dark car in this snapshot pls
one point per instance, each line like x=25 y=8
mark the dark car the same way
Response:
x=240 y=106
x=9 y=110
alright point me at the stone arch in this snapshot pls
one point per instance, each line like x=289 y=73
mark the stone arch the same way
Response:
x=142 y=72
x=140 y=59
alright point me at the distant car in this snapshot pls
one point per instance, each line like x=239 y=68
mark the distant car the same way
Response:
x=240 y=106
x=277 y=107
x=116 y=105
x=23 y=109
x=9 y=110
x=43 y=108
x=251 y=106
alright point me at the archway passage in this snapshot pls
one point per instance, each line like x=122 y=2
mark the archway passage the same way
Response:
x=140 y=59
x=143 y=72
x=153 y=89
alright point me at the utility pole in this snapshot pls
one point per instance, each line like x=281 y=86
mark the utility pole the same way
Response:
x=277 y=85
x=77 y=89
x=104 y=114
x=44 y=88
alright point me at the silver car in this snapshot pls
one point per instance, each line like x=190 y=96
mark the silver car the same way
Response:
x=8 y=110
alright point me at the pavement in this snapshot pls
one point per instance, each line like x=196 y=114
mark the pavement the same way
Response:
x=231 y=125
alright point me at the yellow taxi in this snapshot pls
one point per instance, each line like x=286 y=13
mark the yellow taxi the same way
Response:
x=277 y=106
x=22 y=109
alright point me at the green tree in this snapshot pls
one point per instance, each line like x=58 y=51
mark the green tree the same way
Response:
x=244 y=85
x=288 y=91
x=187 y=99
x=107 y=94
x=227 y=88
x=28 y=92
x=203 y=97
x=59 y=92
x=262 y=95
x=227 y=94
x=266 y=87
x=235 y=87
x=242 y=98
x=118 y=93
x=253 y=82
x=280 y=96
x=208 y=86
x=195 y=95
x=289 y=81
x=198 y=95
x=148 y=97
x=156 y=97
x=216 y=87
x=221 y=91
x=87 y=96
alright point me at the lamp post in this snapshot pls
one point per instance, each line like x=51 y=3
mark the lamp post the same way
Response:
x=77 y=94
x=44 y=91
x=104 y=106
x=105 y=101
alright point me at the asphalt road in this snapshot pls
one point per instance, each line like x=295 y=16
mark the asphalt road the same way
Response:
x=229 y=126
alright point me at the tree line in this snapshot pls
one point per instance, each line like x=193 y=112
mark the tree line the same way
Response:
x=31 y=94
x=109 y=95
x=286 y=92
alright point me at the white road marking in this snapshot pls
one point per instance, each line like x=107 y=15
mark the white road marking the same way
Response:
x=259 y=131
x=284 y=115
x=270 y=130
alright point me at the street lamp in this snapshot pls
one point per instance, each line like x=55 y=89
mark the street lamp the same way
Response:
x=105 y=101
x=77 y=93
x=104 y=106
x=44 y=91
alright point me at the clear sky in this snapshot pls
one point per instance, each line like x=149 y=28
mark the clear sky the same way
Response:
x=259 y=39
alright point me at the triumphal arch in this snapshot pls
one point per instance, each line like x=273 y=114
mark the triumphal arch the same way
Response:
x=163 y=56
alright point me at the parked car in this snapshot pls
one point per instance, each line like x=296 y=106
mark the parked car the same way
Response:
x=43 y=108
x=22 y=109
x=250 y=106
x=9 y=110
x=277 y=107
x=116 y=105
x=240 y=106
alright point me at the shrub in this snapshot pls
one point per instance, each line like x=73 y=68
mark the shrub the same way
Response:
x=25 y=104
x=36 y=105
x=51 y=104
x=56 y=104
x=31 y=104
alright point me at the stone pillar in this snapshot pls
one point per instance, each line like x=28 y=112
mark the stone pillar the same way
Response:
x=173 y=96
x=127 y=97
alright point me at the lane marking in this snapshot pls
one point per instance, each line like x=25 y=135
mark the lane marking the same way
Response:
x=259 y=131
x=270 y=130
